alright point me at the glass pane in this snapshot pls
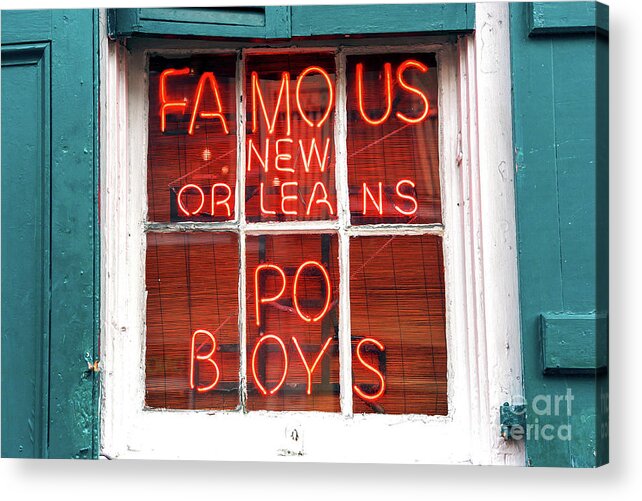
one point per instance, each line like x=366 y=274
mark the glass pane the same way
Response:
x=397 y=303
x=292 y=322
x=192 y=357
x=191 y=160
x=393 y=139
x=290 y=137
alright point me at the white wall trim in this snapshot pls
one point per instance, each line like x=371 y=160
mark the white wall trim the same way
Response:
x=496 y=228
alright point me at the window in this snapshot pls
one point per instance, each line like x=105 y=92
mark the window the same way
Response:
x=373 y=216
x=279 y=345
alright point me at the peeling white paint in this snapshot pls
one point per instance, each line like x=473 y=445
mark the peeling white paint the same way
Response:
x=497 y=221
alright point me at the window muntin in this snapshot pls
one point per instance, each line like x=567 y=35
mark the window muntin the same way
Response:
x=415 y=153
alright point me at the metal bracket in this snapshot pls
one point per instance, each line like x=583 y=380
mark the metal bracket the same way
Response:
x=513 y=420
x=92 y=365
x=95 y=367
x=111 y=25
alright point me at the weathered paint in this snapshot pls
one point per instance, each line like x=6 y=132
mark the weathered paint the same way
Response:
x=19 y=27
x=242 y=16
x=497 y=277
x=311 y=20
x=574 y=343
x=25 y=248
x=283 y=22
x=232 y=22
x=560 y=125
x=278 y=23
x=49 y=225
x=567 y=17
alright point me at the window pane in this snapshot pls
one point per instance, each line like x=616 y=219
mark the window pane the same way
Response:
x=393 y=142
x=398 y=315
x=290 y=141
x=191 y=157
x=192 y=284
x=293 y=285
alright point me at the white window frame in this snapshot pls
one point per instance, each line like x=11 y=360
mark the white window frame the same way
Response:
x=482 y=330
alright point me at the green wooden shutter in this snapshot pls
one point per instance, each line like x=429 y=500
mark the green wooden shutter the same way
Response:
x=50 y=244
x=224 y=22
x=559 y=57
x=283 y=22
x=380 y=18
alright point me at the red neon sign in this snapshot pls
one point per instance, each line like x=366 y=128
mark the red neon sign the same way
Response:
x=423 y=68
x=325 y=75
x=382 y=381
x=406 y=197
x=367 y=193
x=208 y=76
x=309 y=369
x=307 y=159
x=319 y=201
x=368 y=198
x=206 y=357
x=319 y=196
x=258 y=301
x=256 y=92
x=295 y=298
x=261 y=198
x=258 y=100
x=387 y=67
x=252 y=149
x=283 y=156
x=388 y=86
x=285 y=197
x=179 y=199
x=165 y=104
x=260 y=386
x=310 y=366
x=225 y=201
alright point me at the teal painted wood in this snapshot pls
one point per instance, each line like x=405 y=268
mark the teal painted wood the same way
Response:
x=575 y=100
x=562 y=214
x=602 y=174
x=380 y=18
x=73 y=419
x=602 y=230
x=123 y=22
x=67 y=408
x=283 y=22
x=567 y=17
x=233 y=22
x=18 y=26
x=574 y=343
x=25 y=248
x=278 y=22
x=235 y=16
